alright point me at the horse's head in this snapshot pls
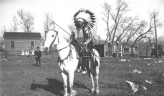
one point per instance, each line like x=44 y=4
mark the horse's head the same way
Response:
x=51 y=37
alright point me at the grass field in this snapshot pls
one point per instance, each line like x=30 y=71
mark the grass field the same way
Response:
x=19 y=77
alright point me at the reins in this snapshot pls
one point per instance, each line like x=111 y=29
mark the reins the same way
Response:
x=61 y=48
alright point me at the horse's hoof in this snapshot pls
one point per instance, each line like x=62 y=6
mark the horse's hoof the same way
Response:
x=78 y=70
x=65 y=94
x=73 y=93
x=97 y=92
x=92 y=90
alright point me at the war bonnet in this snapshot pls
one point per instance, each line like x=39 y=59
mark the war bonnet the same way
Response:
x=87 y=16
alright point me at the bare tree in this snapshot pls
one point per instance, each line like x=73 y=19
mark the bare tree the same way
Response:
x=135 y=30
x=1 y=34
x=125 y=28
x=119 y=22
x=2 y=31
x=14 y=26
x=118 y=18
x=26 y=20
x=150 y=28
x=144 y=29
x=161 y=40
x=47 y=23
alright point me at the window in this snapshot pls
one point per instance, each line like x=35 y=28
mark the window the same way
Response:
x=32 y=44
x=12 y=45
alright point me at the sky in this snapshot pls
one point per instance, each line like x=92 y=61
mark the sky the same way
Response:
x=62 y=11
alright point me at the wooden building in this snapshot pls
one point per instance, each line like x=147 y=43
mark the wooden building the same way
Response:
x=16 y=41
x=102 y=48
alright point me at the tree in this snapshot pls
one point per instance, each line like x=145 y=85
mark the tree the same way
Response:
x=123 y=27
x=161 y=40
x=150 y=28
x=1 y=35
x=118 y=18
x=120 y=23
x=3 y=30
x=47 y=23
x=135 y=30
x=126 y=28
x=26 y=20
x=144 y=30
x=14 y=26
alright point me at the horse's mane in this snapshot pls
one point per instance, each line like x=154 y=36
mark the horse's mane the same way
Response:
x=64 y=35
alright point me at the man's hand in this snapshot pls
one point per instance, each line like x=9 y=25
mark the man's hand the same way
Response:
x=85 y=43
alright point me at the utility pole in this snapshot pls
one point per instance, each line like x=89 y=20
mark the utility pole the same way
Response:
x=156 y=37
x=138 y=49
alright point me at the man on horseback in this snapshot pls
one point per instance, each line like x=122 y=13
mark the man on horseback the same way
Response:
x=82 y=37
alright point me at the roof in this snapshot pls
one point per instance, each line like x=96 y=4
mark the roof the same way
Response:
x=21 y=35
x=100 y=42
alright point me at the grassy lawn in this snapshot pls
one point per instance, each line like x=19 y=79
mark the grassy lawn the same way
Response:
x=19 y=77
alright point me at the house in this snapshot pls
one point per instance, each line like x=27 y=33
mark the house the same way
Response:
x=127 y=49
x=16 y=41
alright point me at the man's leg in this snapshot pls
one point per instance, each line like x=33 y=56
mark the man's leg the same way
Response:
x=85 y=62
x=79 y=63
x=39 y=61
x=36 y=61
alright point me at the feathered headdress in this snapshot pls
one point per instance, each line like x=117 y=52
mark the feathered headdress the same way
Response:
x=88 y=16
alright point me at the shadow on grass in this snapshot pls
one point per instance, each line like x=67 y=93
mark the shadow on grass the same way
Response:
x=78 y=84
x=54 y=86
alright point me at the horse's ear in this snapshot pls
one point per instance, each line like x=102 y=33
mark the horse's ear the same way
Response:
x=52 y=25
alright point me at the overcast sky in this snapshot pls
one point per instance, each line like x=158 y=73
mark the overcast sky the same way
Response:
x=62 y=11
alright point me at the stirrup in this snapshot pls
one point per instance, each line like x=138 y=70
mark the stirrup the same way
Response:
x=78 y=70
x=84 y=72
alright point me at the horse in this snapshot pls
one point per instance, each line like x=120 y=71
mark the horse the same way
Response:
x=69 y=61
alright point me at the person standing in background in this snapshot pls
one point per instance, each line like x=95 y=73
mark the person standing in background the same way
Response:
x=38 y=56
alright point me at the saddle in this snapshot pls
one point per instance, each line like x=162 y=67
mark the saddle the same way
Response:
x=85 y=54
x=84 y=60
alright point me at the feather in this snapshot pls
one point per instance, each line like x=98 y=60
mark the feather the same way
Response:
x=88 y=16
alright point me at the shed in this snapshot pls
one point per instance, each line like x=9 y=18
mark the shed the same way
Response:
x=102 y=48
x=17 y=41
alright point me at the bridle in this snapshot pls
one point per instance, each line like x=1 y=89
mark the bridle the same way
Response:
x=61 y=48
x=54 y=38
x=58 y=41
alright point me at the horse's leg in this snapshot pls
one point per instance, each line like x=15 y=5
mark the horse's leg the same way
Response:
x=97 y=80
x=95 y=88
x=93 y=83
x=71 y=79
x=65 y=83
x=91 y=76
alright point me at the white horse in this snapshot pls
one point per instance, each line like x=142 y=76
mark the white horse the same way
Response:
x=69 y=61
